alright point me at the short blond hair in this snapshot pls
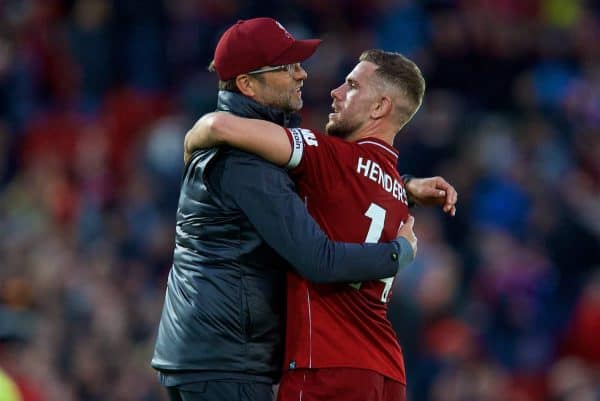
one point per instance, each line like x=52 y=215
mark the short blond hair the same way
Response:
x=399 y=72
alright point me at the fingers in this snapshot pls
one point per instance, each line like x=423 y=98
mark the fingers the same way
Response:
x=451 y=195
x=410 y=221
x=406 y=225
x=406 y=231
x=450 y=209
x=432 y=192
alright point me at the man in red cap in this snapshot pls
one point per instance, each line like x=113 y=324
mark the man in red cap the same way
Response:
x=240 y=225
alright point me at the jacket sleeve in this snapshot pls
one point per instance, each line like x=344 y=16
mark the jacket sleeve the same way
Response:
x=265 y=194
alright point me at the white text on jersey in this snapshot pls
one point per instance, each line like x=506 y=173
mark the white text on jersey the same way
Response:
x=375 y=173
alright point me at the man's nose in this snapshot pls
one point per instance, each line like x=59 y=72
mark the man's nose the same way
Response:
x=299 y=72
x=335 y=93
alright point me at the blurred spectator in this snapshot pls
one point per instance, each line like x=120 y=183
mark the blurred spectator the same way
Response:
x=95 y=97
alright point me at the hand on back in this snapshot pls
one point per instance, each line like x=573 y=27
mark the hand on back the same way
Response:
x=406 y=231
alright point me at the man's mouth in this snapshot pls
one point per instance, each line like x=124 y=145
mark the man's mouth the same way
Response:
x=335 y=111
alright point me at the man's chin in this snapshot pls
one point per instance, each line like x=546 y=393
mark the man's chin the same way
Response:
x=333 y=130
x=329 y=127
x=296 y=106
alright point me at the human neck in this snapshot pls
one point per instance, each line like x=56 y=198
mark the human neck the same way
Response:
x=375 y=129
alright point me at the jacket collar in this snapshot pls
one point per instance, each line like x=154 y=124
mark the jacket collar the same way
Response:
x=243 y=106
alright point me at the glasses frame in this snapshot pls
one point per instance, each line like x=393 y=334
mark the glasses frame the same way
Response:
x=290 y=68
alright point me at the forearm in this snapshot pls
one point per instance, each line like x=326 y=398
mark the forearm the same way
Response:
x=297 y=238
x=346 y=262
x=431 y=191
x=263 y=138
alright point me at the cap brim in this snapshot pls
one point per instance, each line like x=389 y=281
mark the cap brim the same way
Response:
x=299 y=51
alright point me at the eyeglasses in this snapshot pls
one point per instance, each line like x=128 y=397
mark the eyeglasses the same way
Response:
x=290 y=68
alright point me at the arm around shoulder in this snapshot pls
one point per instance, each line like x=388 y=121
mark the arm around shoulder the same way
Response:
x=265 y=139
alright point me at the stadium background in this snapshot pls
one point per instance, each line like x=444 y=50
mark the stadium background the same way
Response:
x=503 y=301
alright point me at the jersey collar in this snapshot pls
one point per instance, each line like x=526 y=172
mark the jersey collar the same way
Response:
x=384 y=146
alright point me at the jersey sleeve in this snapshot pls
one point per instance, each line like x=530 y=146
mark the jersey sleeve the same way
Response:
x=313 y=156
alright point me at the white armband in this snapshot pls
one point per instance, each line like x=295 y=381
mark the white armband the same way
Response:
x=297 y=148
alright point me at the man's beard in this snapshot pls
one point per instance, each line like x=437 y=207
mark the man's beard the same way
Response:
x=341 y=129
x=284 y=101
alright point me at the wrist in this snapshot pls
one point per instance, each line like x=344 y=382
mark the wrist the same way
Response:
x=406 y=178
x=406 y=253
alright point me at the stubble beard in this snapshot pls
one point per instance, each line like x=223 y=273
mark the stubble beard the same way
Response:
x=286 y=101
x=341 y=129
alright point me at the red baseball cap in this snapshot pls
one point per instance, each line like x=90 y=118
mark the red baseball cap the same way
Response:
x=258 y=42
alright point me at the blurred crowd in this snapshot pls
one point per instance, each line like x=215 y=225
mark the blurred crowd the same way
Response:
x=503 y=300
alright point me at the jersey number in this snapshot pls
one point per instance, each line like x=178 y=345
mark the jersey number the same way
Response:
x=377 y=215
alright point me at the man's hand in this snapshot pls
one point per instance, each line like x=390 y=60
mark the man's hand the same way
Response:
x=431 y=192
x=406 y=231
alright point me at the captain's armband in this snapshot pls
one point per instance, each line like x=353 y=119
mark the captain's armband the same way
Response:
x=295 y=135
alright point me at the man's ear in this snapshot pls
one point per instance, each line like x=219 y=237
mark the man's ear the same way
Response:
x=382 y=108
x=245 y=85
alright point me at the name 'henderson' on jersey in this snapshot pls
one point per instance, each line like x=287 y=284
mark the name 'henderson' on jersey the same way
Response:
x=355 y=193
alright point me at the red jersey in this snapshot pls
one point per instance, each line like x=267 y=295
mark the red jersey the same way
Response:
x=355 y=193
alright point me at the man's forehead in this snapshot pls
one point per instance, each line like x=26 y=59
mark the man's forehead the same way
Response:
x=361 y=71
